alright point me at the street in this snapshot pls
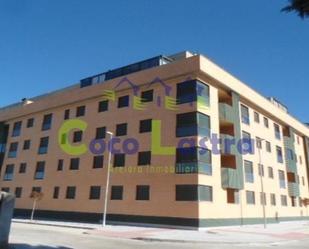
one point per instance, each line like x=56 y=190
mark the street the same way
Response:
x=33 y=236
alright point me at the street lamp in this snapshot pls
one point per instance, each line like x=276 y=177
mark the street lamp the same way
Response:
x=262 y=184
x=107 y=177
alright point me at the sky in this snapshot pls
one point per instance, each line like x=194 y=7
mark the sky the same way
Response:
x=50 y=44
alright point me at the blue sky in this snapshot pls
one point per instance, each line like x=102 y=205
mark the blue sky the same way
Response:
x=46 y=45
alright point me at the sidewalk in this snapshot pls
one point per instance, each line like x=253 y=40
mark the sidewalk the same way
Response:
x=273 y=234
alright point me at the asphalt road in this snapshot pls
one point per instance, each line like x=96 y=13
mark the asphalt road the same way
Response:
x=29 y=236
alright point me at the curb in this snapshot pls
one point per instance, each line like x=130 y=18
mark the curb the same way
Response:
x=201 y=242
x=53 y=225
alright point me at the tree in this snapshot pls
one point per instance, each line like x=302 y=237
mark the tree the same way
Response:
x=299 y=6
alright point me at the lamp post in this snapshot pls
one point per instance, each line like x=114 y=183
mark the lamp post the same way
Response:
x=107 y=177
x=262 y=183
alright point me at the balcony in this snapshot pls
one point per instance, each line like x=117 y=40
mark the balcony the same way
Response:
x=293 y=189
x=226 y=112
x=230 y=178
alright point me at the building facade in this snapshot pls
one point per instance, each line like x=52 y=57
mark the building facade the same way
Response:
x=187 y=141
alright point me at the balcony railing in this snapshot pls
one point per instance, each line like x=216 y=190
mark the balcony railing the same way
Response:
x=39 y=175
x=227 y=146
x=226 y=112
x=8 y=176
x=12 y=154
x=293 y=189
x=193 y=168
x=230 y=178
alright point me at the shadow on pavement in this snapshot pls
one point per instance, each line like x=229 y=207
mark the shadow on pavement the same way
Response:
x=26 y=246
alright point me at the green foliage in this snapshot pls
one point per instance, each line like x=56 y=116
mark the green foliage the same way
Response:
x=299 y=6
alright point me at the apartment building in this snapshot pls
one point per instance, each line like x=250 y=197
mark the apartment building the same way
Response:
x=187 y=142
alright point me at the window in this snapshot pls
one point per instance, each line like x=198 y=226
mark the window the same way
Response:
x=27 y=144
x=47 y=122
x=43 y=147
x=261 y=170
x=191 y=91
x=281 y=179
x=266 y=123
x=263 y=200
x=119 y=160
x=192 y=124
x=18 y=192
x=36 y=189
x=258 y=142
x=232 y=196
x=273 y=199
x=123 y=101
x=250 y=196
x=13 y=150
x=30 y=122
x=67 y=114
x=245 y=118
x=247 y=145
x=80 y=111
x=300 y=160
x=56 y=193
x=98 y=162
x=279 y=154
x=268 y=146
x=186 y=92
x=205 y=193
x=117 y=193
x=22 y=168
x=121 y=129
x=144 y=158
x=145 y=125
x=256 y=117
x=284 y=200
x=249 y=176
x=147 y=96
x=103 y=106
x=16 y=129
x=71 y=192
x=142 y=193
x=60 y=165
x=298 y=142
x=194 y=193
x=77 y=136
x=303 y=180
x=74 y=164
x=95 y=193
x=277 y=131
x=193 y=160
x=39 y=172
x=100 y=133
x=270 y=172
x=4 y=189
x=9 y=172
